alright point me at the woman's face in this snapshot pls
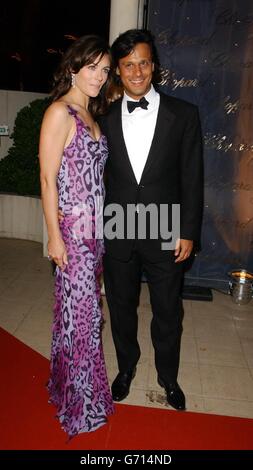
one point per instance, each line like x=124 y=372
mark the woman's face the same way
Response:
x=92 y=77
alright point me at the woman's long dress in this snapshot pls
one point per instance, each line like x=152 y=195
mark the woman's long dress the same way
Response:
x=78 y=384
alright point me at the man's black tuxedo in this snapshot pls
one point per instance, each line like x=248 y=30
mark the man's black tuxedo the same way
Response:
x=172 y=174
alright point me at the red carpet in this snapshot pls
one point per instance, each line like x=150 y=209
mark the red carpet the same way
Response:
x=27 y=420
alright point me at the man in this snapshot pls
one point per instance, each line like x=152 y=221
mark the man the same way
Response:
x=154 y=158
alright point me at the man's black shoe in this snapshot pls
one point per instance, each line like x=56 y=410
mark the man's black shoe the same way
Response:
x=175 y=396
x=121 y=385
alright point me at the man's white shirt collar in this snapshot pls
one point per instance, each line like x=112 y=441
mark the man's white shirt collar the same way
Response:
x=151 y=97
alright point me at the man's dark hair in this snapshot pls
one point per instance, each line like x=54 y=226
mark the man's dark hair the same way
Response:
x=125 y=43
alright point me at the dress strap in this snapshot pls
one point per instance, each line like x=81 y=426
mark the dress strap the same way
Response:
x=72 y=111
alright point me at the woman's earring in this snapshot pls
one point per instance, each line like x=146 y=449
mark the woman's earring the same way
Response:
x=73 y=80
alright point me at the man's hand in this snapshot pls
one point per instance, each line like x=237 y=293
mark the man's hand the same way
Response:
x=183 y=250
x=60 y=216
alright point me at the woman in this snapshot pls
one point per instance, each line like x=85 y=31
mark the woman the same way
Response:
x=72 y=157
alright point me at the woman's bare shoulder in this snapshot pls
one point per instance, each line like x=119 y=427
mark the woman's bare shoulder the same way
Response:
x=58 y=108
x=57 y=113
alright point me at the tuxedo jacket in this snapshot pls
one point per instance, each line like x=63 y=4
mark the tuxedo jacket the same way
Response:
x=173 y=174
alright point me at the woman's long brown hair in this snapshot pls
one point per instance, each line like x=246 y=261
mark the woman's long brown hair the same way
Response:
x=83 y=51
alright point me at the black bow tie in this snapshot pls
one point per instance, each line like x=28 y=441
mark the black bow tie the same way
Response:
x=143 y=103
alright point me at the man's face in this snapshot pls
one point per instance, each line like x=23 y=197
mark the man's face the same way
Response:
x=136 y=71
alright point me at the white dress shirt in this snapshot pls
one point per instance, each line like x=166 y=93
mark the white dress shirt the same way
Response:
x=138 y=130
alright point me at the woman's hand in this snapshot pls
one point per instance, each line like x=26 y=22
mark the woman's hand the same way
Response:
x=57 y=252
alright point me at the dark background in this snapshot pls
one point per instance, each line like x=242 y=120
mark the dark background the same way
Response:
x=33 y=35
x=206 y=47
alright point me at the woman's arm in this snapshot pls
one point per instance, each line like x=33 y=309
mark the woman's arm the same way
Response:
x=55 y=129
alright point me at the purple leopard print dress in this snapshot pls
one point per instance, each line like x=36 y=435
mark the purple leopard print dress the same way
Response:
x=78 y=384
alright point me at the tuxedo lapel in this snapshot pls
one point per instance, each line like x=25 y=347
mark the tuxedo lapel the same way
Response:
x=164 y=121
x=119 y=141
